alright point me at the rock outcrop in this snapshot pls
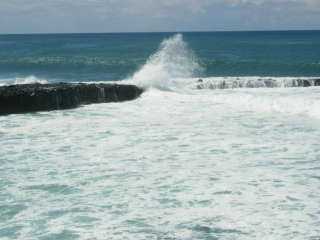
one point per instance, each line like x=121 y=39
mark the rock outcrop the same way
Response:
x=256 y=83
x=44 y=97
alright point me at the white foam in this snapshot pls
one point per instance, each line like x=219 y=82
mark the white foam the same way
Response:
x=29 y=80
x=22 y=80
x=285 y=101
x=168 y=163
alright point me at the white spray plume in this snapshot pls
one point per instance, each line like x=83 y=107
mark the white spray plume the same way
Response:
x=172 y=62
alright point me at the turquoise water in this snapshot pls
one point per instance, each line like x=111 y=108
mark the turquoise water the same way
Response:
x=178 y=163
x=100 y=57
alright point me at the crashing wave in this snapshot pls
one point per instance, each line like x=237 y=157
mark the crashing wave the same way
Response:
x=173 y=61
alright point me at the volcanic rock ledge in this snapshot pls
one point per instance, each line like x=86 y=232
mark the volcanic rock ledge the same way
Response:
x=44 y=97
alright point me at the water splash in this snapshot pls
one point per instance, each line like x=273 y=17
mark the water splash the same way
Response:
x=22 y=80
x=166 y=68
x=29 y=80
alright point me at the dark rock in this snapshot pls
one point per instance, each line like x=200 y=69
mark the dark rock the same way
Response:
x=268 y=83
x=43 y=97
x=317 y=82
x=306 y=83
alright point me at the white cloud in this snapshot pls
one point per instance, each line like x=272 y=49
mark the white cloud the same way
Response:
x=149 y=15
x=313 y=3
x=142 y=6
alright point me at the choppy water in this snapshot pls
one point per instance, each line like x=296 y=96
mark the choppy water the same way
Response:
x=178 y=163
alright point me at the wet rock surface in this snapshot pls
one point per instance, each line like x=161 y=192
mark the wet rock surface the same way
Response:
x=44 y=97
x=257 y=83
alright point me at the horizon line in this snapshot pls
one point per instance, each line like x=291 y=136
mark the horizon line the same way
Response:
x=144 y=32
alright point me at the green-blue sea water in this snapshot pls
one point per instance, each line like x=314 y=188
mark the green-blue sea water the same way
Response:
x=237 y=158
x=101 y=57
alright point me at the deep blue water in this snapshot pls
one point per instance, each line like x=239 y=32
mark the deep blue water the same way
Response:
x=100 y=57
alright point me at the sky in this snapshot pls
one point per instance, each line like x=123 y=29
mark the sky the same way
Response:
x=63 y=16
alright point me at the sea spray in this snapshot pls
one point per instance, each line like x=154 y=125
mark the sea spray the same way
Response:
x=169 y=66
x=22 y=80
x=30 y=80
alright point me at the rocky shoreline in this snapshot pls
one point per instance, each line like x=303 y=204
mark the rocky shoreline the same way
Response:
x=258 y=83
x=45 y=97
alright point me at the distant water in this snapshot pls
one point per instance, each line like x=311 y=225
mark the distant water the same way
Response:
x=233 y=156
x=101 y=57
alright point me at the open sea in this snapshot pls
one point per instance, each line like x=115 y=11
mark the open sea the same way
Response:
x=222 y=145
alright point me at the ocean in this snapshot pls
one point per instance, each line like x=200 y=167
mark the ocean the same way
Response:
x=223 y=144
